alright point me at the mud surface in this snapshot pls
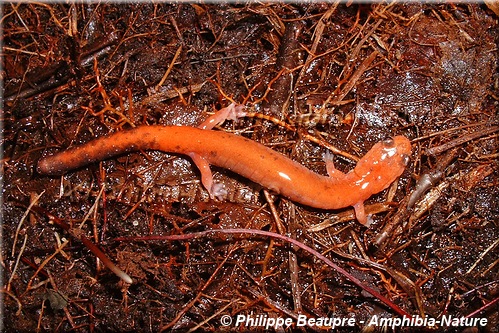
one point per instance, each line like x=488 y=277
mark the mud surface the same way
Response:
x=318 y=77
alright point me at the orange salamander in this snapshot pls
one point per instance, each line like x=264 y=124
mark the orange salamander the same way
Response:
x=384 y=163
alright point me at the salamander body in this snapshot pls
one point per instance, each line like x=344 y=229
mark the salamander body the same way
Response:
x=384 y=163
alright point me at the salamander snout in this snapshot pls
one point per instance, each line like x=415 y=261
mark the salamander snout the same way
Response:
x=395 y=150
x=399 y=144
x=403 y=147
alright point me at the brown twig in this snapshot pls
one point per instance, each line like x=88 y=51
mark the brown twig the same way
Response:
x=460 y=140
x=78 y=235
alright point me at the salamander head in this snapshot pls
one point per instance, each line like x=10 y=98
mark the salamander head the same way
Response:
x=384 y=163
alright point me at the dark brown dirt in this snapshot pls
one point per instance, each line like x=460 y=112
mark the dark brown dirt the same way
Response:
x=345 y=76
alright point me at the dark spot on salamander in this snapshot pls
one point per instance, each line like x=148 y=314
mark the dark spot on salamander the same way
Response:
x=213 y=154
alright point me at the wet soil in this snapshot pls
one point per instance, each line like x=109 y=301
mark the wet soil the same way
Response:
x=318 y=77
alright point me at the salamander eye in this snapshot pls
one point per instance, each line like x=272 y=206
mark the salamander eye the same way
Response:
x=405 y=159
x=389 y=142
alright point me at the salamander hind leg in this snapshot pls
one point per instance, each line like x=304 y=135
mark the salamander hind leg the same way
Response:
x=214 y=189
x=232 y=112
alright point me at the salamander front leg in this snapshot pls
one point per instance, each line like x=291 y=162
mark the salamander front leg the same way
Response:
x=331 y=170
x=360 y=214
x=215 y=190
